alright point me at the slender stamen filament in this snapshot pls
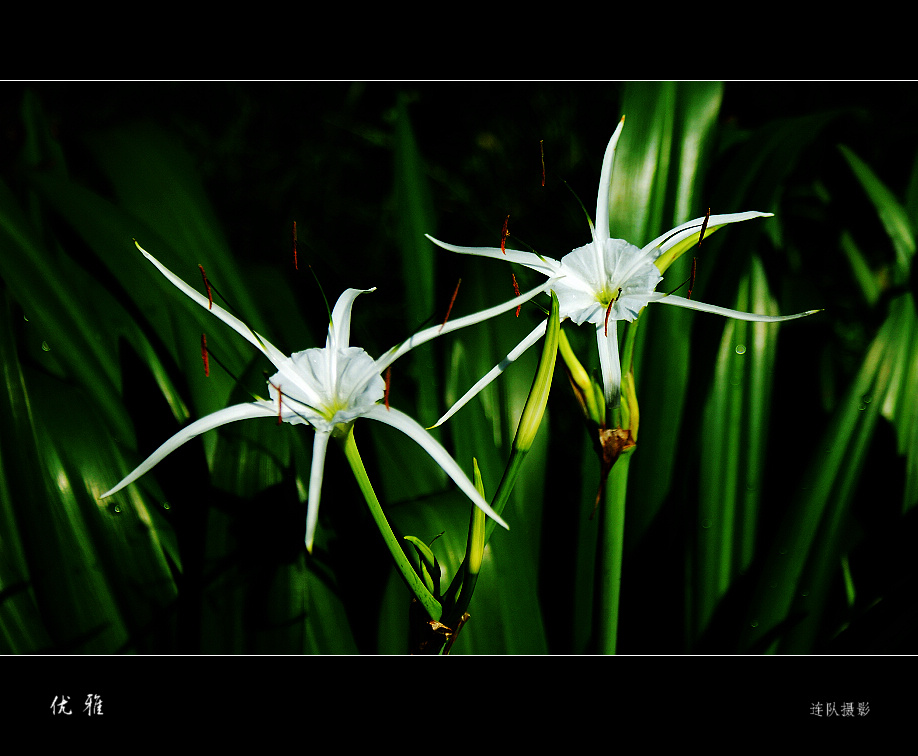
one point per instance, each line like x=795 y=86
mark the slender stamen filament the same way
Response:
x=280 y=395
x=516 y=289
x=704 y=227
x=542 y=150
x=204 y=355
x=451 y=302
x=295 y=265
x=691 y=279
x=289 y=407
x=210 y=297
x=388 y=384
x=609 y=308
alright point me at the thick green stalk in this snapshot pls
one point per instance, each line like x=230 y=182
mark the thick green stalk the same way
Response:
x=612 y=513
x=609 y=557
x=415 y=584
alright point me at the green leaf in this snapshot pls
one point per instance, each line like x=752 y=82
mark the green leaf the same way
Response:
x=800 y=563
x=892 y=214
x=733 y=446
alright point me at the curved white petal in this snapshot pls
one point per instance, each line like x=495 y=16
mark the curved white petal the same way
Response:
x=691 y=304
x=214 y=420
x=546 y=265
x=601 y=233
x=339 y=330
x=514 y=355
x=676 y=235
x=431 y=333
x=609 y=364
x=411 y=428
x=319 y=447
x=263 y=345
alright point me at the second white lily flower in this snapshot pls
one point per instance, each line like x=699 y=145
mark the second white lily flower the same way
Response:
x=609 y=280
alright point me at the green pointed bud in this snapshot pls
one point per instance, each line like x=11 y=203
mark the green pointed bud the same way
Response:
x=630 y=414
x=475 y=546
x=586 y=390
x=541 y=384
x=429 y=567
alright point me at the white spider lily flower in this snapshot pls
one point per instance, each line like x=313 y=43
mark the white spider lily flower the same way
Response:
x=609 y=280
x=327 y=389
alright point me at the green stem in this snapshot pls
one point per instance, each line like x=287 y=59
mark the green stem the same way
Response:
x=609 y=557
x=415 y=584
x=526 y=432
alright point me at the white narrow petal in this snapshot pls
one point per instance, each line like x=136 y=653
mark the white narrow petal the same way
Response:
x=413 y=429
x=214 y=420
x=605 y=185
x=263 y=345
x=431 y=333
x=514 y=355
x=691 y=304
x=671 y=238
x=546 y=265
x=319 y=447
x=609 y=363
x=339 y=331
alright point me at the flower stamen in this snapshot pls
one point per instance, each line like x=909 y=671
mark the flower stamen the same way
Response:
x=280 y=397
x=691 y=279
x=609 y=308
x=388 y=384
x=704 y=227
x=542 y=150
x=210 y=297
x=504 y=234
x=451 y=302
x=204 y=355
x=295 y=265
x=516 y=289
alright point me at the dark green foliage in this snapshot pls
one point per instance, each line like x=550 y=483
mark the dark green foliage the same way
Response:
x=771 y=497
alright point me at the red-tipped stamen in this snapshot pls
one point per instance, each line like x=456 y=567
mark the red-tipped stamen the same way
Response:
x=388 y=383
x=504 y=234
x=516 y=289
x=295 y=266
x=609 y=309
x=210 y=296
x=451 y=302
x=704 y=226
x=542 y=150
x=204 y=355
